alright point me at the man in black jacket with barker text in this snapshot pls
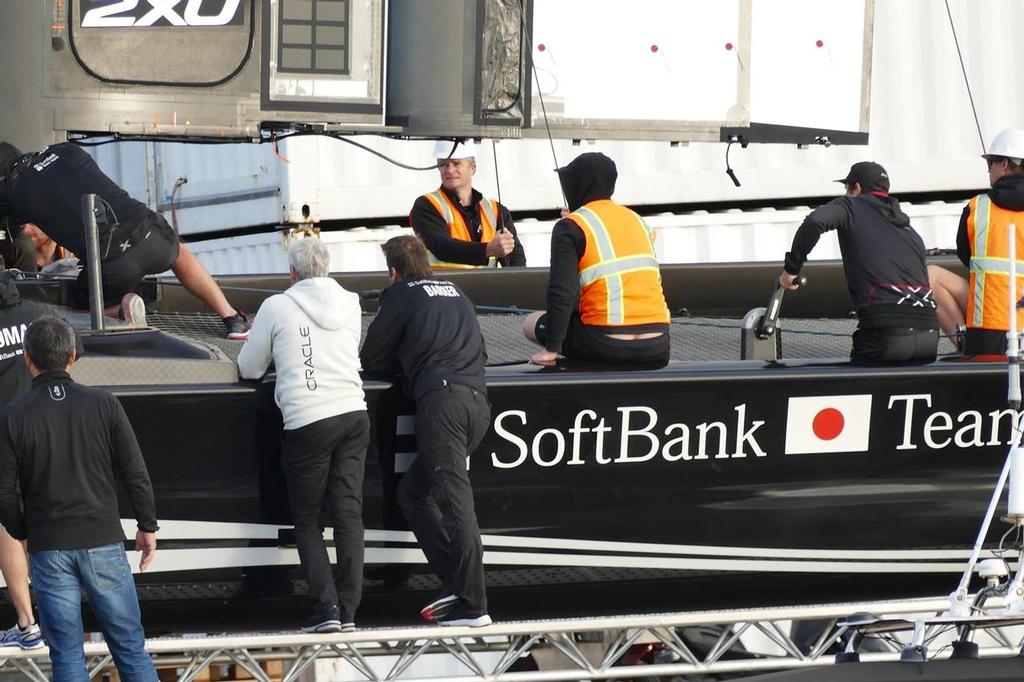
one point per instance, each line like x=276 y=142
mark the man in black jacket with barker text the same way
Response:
x=883 y=258
x=427 y=330
x=67 y=446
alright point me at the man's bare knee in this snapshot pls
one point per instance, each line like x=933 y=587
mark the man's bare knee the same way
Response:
x=530 y=325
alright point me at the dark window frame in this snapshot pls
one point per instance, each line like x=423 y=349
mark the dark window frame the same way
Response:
x=313 y=45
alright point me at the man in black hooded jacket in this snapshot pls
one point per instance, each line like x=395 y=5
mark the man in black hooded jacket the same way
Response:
x=883 y=258
x=605 y=301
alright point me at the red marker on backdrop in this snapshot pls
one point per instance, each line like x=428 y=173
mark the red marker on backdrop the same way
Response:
x=658 y=51
x=819 y=43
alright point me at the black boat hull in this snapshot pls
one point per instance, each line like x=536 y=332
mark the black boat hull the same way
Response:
x=600 y=492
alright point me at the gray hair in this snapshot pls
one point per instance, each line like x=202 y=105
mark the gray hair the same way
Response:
x=309 y=258
x=49 y=343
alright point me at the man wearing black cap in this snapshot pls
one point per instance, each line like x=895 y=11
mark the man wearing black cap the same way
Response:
x=883 y=258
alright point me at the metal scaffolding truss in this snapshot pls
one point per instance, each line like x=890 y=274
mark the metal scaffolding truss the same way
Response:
x=745 y=640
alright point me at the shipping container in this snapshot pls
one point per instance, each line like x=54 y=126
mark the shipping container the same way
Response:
x=692 y=237
x=921 y=128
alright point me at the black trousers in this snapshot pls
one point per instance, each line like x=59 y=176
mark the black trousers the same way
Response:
x=585 y=342
x=324 y=462
x=895 y=344
x=436 y=496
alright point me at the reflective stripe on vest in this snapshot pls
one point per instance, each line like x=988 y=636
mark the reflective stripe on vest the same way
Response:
x=612 y=280
x=458 y=229
x=603 y=268
x=988 y=306
x=980 y=246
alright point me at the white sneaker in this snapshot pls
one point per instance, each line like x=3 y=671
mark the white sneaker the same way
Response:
x=29 y=638
x=133 y=311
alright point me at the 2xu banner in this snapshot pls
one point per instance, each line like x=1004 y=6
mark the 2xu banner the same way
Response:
x=145 y=13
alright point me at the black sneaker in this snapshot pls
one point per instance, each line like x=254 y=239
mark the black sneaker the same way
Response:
x=327 y=620
x=237 y=326
x=460 y=615
x=438 y=608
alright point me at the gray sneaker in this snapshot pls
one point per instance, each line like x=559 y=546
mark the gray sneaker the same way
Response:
x=29 y=638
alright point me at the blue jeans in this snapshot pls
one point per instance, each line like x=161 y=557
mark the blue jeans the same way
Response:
x=59 y=576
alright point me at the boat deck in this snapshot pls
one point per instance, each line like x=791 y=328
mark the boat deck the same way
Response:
x=693 y=338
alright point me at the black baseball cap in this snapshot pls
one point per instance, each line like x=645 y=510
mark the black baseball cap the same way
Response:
x=871 y=176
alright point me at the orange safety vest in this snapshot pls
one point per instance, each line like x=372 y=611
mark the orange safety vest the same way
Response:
x=620 y=283
x=458 y=229
x=988 y=305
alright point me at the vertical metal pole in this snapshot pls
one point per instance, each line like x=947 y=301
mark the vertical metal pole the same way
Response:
x=92 y=257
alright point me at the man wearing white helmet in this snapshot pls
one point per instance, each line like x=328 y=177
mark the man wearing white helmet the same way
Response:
x=982 y=245
x=459 y=226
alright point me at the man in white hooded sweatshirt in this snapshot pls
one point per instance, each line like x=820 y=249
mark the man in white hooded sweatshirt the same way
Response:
x=311 y=332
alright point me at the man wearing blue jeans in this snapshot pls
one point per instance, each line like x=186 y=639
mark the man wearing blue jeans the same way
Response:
x=67 y=446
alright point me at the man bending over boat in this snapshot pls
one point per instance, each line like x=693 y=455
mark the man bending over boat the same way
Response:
x=427 y=330
x=883 y=258
x=46 y=188
x=311 y=333
x=460 y=227
x=982 y=245
x=605 y=300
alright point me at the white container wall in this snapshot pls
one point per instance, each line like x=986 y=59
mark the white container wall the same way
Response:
x=921 y=129
x=696 y=237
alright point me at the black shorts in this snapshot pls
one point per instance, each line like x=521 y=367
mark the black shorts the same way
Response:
x=586 y=342
x=895 y=344
x=151 y=247
x=979 y=341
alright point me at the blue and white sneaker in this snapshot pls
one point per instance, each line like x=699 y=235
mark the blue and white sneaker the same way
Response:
x=29 y=638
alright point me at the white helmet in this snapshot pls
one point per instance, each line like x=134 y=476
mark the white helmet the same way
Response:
x=1007 y=144
x=463 y=149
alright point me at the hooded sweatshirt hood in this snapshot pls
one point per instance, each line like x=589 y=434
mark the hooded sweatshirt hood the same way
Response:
x=589 y=177
x=8 y=290
x=1008 y=192
x=311 y=333
x=889 y=207
x=319 y=298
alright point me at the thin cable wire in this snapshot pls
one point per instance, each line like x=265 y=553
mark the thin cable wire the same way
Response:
x=273 y=139
x=497 y=181
x=540 y=94
x=967 y=82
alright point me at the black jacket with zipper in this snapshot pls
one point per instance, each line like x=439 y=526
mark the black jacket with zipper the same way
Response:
x=67 y=445
x=883 y=258
x=426 y=330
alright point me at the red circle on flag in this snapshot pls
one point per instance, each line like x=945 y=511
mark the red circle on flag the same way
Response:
x=828 y=423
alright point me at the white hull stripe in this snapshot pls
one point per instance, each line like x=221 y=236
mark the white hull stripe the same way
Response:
x=205 y=530
x=202 y=559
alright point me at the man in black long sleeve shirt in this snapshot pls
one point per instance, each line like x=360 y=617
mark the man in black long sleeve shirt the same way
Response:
x=883 y=258
x=66 y=446
x=46 y=189
x=460 y=227
x=427 y=330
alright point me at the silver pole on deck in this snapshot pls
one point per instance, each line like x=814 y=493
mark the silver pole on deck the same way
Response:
x=92 y=257
x=959 y=605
